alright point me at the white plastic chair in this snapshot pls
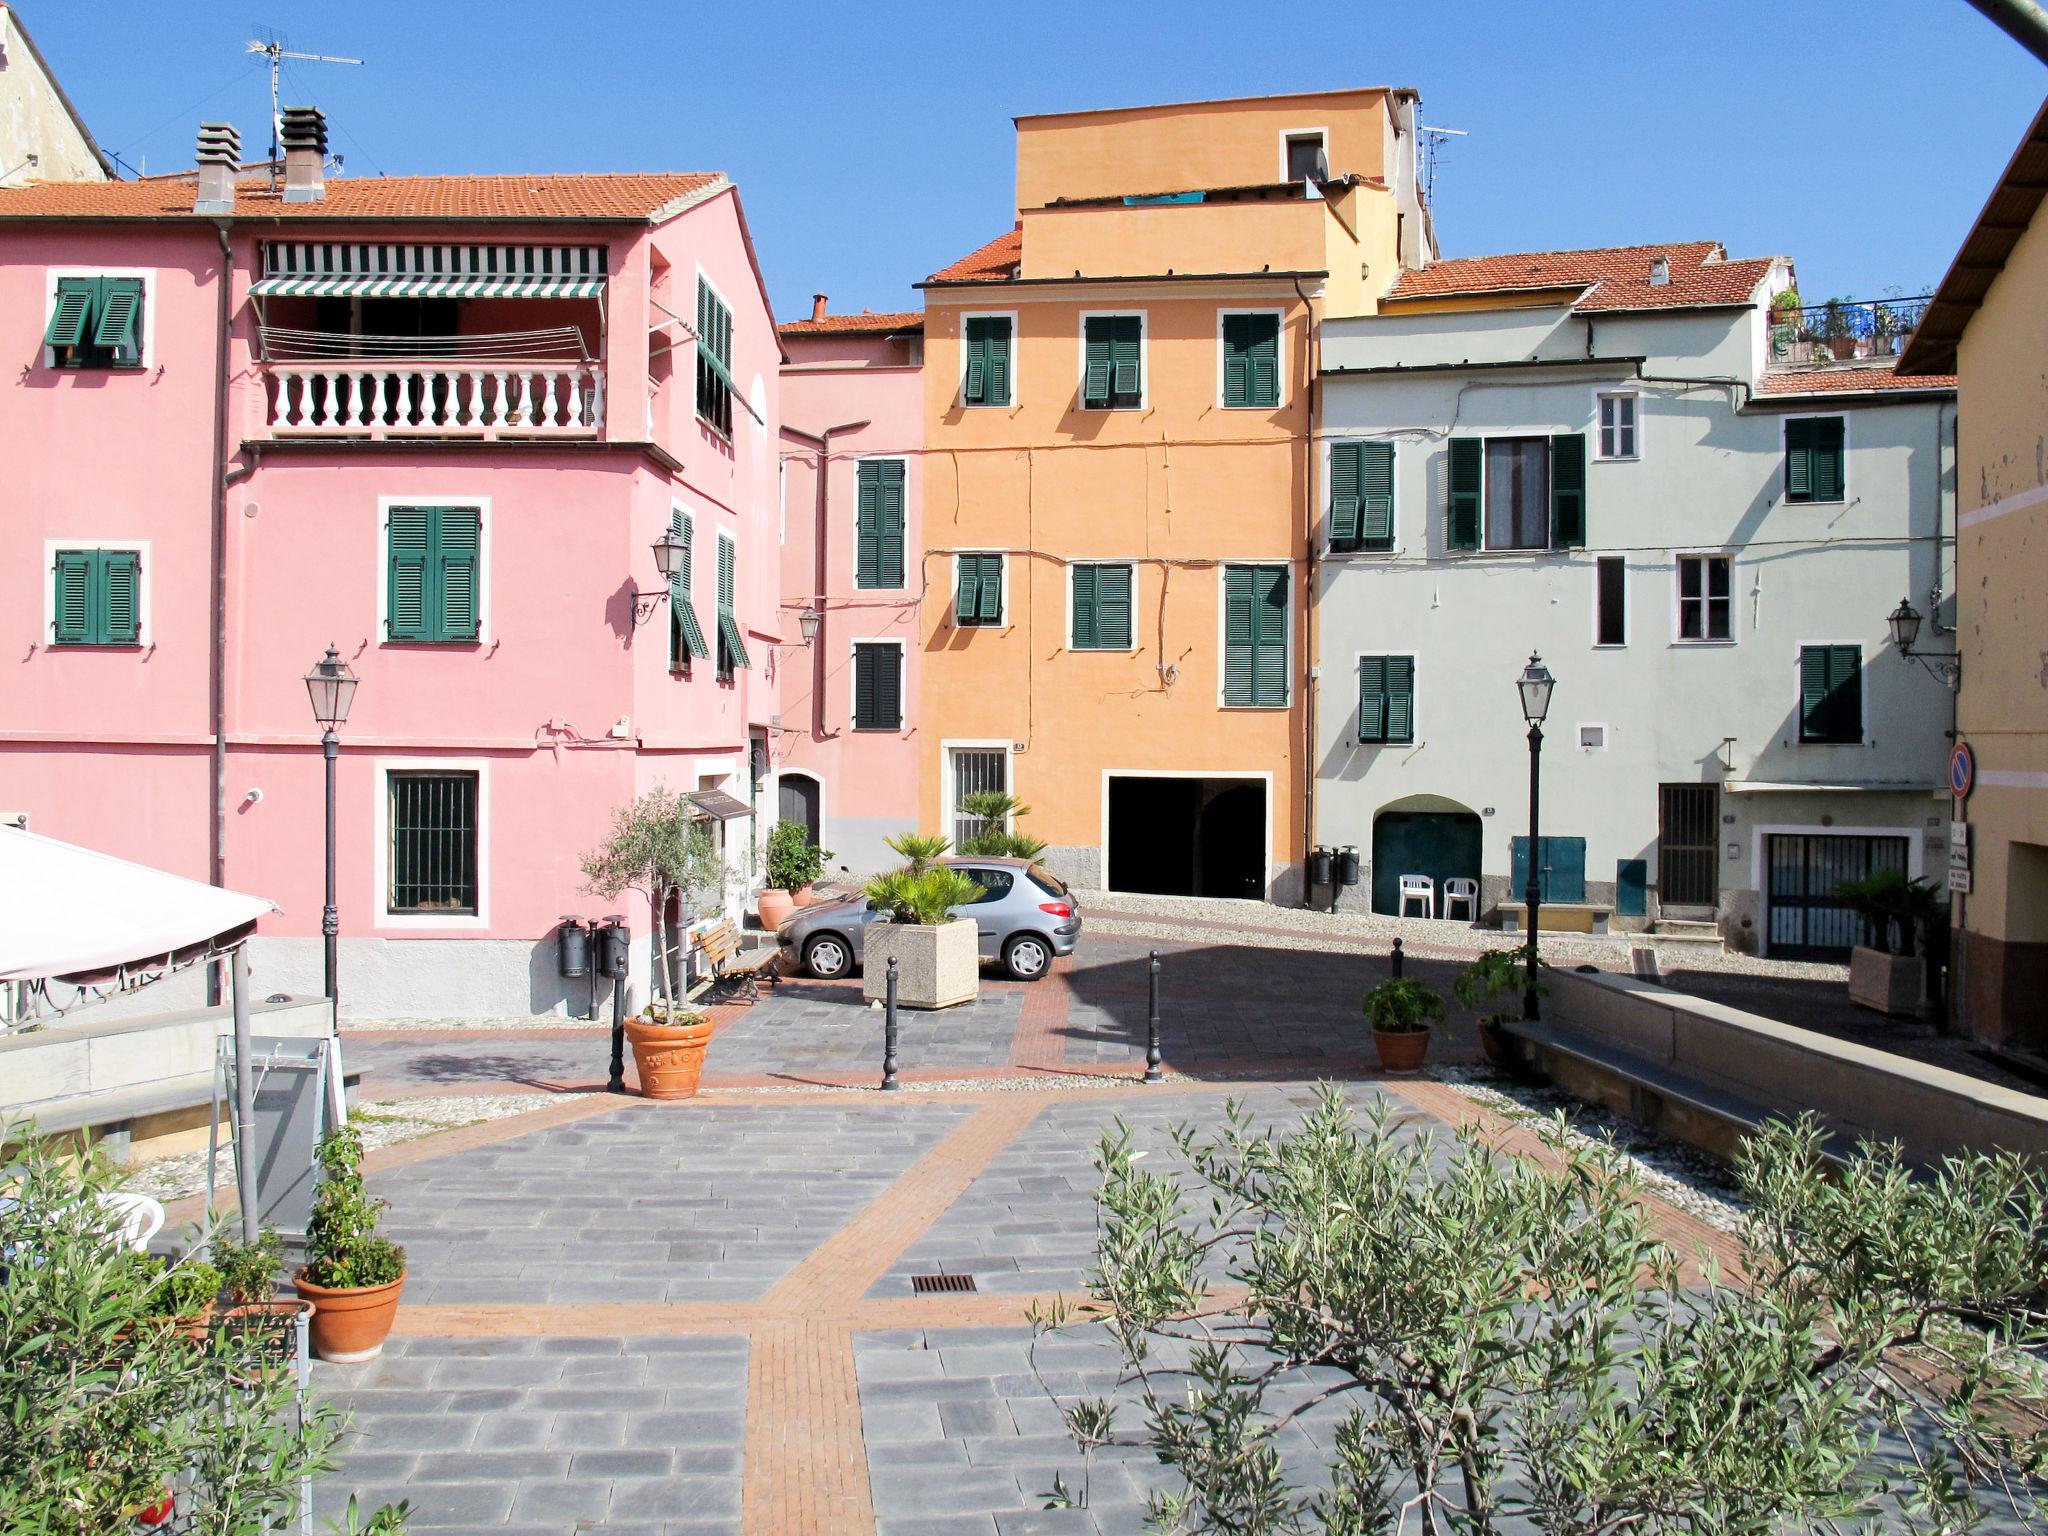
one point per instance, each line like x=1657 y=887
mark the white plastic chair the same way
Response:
x=140 y=1218
x=1462 y=888
x=1418 y=888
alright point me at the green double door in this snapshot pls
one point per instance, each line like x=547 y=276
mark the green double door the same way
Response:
x=1444 y=845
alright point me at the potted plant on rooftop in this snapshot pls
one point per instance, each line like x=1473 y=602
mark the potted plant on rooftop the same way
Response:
x=1887 y=974
x=1402 y=1012
x=794 y=861
x=938 y=964
x=1784 y=321
x=1838 y=328
x=352 y=1276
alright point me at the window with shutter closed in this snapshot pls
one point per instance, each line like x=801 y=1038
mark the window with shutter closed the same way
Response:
x=1255 y=636
x=1831 y=694
x=1251 y=360
x=1111 y=376
x=433 y=590
x=1814 y=464
x=1386 y=699
x=1102 y=607
x=878 y=524
x=978 y=600
x=877 y=686
x=988 y=360
x=96 y=597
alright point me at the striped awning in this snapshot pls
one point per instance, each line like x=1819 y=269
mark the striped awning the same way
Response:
x=330 y=269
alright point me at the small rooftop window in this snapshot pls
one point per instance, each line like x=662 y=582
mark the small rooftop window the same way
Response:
x=1660 y=272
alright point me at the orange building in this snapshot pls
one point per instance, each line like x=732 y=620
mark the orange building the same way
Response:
x=1118 y=489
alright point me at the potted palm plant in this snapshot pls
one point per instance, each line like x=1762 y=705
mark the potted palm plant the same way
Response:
x=938 y=964
x=993 y=837
x=1496 y=978
x=794 y=861
x=1402 y=1012
x=352 y=1276
x=1887 y=974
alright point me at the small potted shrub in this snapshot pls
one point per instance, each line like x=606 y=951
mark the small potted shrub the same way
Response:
x=185 y=1291
x=794 y=861
x=1495 y=979
x=1402 y=1012
x=249 y=1273
x=352 y=1276
x=938 y=963
x=1838 y=329
x=1784 y=322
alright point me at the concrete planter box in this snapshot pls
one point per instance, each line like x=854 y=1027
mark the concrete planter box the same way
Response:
x=1888 y=983
x=936 y=967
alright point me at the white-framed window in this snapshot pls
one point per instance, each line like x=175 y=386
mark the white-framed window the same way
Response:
x=96 y=592
x=434 y=569
x=877 y=698
x=1113 y=372
x=1704 y=600
x=1521 y=492
x=1610 y=601
x=1592 y=736
x=1617 y=435
x=1251 y=359
x=1102 y=605
x=431 y=854
x=881 y=502
x=988 y=358
x=981 y=589
x=716 y=384
x=1304 y=154
x=1254 y=635
x=99 y=318
x=1386 y=699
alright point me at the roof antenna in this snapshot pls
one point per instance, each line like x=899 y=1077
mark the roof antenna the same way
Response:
x=1432 y=144
x=276 y=52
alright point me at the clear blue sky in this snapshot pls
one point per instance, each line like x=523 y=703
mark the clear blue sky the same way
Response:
x=872 y=142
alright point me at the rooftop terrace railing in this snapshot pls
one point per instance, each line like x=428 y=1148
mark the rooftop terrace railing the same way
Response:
x=1843 y=330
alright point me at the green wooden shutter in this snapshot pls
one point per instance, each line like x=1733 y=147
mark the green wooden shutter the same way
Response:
x=120 y=316
x=1568 y=490
x=683 y=612
x=1113 y=607
x=120 y=597
x=1097 y=356
x=69 y=313
x=1845 y=693
x=1087 y=634
x=1400 y=698
x=867 y=526
x=1467 y=487
x=1813 y=693
x=889 y=687
x=889 y=565
x=997 y=353
x=1376 y=495
x=459 y=548
x=991 y=589
x=1128 y=329
x=1799 y=459
x=1344 y=474
x=408 y=534
x=864 y=687
x=1372 y=698
x=1237 y=634
x=975 y=389
x=967 y=595
x=1269 y=613
x=1258 y=349
x=1237 y=360
x=71 y=605
x=1828 y=477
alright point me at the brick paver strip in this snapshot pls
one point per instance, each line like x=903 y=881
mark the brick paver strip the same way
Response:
x=1041 y=1039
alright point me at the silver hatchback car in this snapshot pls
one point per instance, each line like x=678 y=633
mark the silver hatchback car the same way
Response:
x=1025 y=918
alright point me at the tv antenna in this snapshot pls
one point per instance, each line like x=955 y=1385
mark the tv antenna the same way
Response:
x=276 y=52
x=1432 y=142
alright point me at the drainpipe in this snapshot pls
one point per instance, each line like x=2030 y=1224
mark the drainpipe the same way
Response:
x=1311 y=352
x=821 y=546
x=217 y=820
x=2024 y=21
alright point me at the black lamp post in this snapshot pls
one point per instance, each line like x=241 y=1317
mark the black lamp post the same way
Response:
x=332 y=688
x=1534 y=685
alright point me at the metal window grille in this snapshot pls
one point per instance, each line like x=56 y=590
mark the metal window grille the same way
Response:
x=433 y=842
x=975 y=771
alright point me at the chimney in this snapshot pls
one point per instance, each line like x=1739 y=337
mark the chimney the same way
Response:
x=305 y=154
x=220 y=152
x=817 y=306
x=1660 y=271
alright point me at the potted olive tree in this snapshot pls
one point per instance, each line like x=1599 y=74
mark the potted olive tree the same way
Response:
x=1402 y=1012
x=1491 y=986
x=660 y=850
x=794 y=861
x=937 y=960
x=1887 y=974
x=352 y=1276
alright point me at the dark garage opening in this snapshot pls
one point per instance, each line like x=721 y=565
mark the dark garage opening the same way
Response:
x=1188 y=837
x=1443 y=845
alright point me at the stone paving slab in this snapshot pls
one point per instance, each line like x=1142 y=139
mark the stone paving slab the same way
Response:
x=1027 y=1224
x=435 y=1061
x=647 y=1203
x=807 y=1028
x=551 y=1435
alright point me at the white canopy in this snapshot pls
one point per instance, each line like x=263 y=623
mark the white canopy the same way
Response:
x=68 y=911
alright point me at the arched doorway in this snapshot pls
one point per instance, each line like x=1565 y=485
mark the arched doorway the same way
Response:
x=1422 y=835
x=1231 y=848
x=801 y=798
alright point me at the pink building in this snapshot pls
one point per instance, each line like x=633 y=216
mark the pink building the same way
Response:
x=438 y=422
x=846 y=754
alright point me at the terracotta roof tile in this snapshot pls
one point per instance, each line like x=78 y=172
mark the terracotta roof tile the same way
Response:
x=373 y=198
x=993 y=263
x=1838 y=381
x=1613 y=277
x=866 y=323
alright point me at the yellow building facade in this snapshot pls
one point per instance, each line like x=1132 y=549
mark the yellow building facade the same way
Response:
x=1118 y=482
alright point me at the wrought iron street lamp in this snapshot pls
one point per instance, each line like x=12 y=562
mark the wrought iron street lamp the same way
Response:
x=1905 y=624
x=1535 y=685
x=332 y=688
x=807 y=622
x=671 y=554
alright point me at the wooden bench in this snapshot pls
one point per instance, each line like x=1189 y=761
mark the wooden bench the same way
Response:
x=735 y=972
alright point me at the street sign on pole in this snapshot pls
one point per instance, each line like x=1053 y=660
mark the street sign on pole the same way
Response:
x=1959 y=857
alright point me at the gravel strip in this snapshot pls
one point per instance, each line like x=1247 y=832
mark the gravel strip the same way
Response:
x=383 y=1124
x=352 y=1025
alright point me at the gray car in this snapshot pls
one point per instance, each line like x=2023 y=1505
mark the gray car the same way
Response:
x=1024 y=919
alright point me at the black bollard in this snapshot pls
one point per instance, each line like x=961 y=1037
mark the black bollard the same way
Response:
x=618 y=1082
x=889 y=1083
x=1152 y=1072
x=1397 y=959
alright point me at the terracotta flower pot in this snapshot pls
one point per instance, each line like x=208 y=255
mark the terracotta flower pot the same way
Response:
x=1493 y=1043
x=1401 y=1050
x=350 y=1323
x=669 y=1058
x=774 y=908
x=804 y=896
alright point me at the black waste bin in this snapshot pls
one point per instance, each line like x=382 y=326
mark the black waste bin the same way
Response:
x=614 y=941
x=1347 y=867
x=1319 y=867
x=572 y=948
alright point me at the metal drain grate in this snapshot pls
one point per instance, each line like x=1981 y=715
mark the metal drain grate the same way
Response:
x=924 y=1284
